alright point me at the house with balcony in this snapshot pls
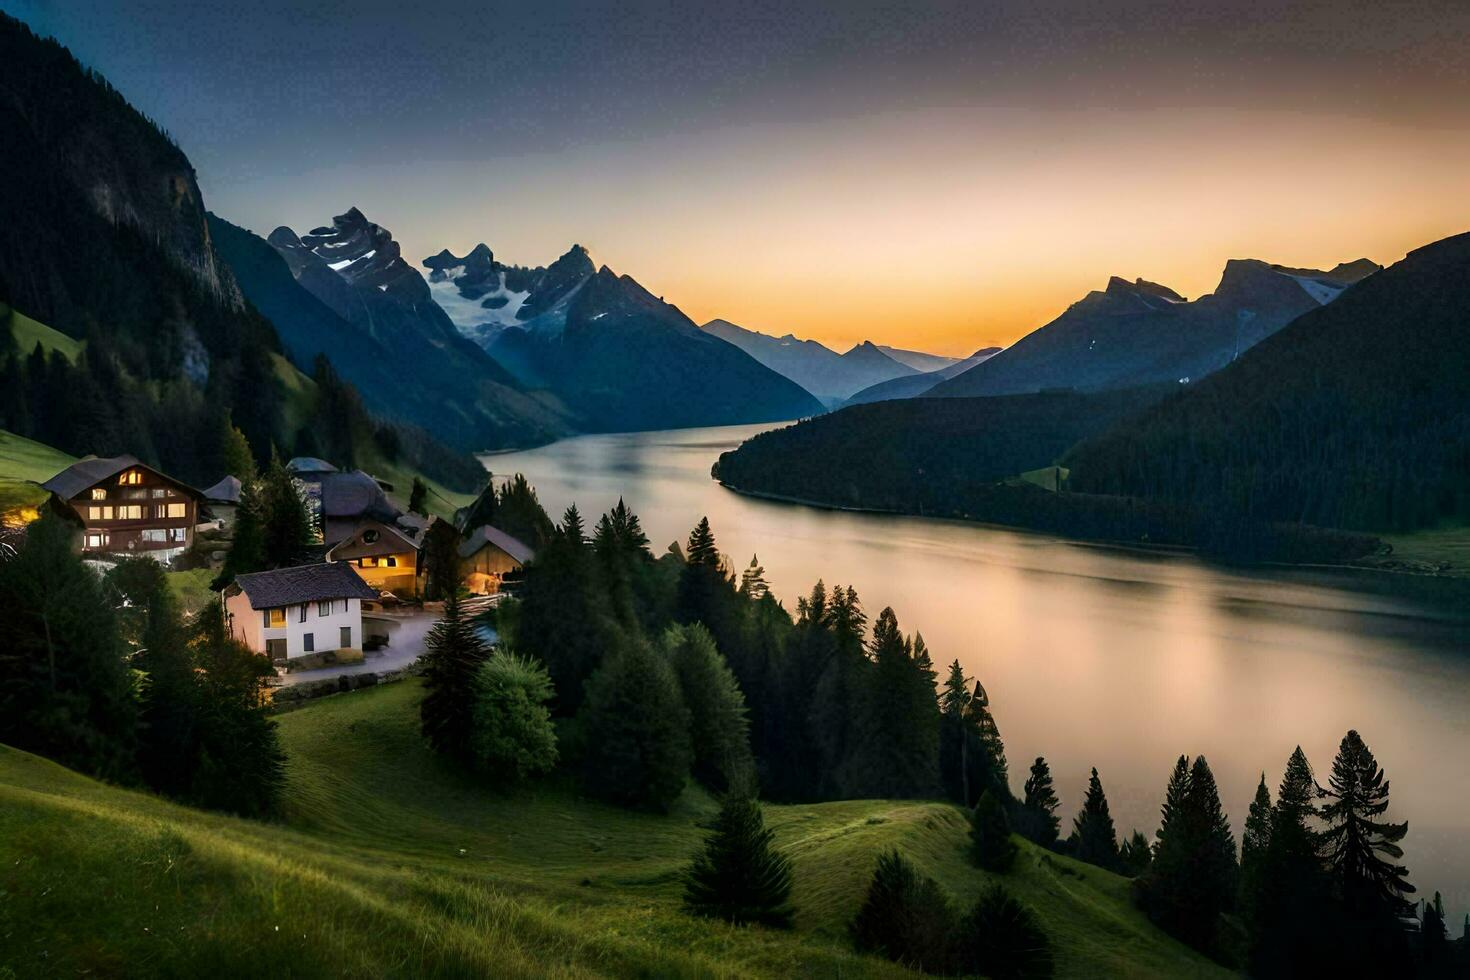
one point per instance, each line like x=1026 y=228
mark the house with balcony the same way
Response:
x=127 y=507
x=303 y=616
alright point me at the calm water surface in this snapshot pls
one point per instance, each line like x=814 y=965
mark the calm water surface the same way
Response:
x=1099 y=657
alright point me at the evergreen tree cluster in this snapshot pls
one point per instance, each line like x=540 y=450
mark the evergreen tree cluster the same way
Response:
x=106 y=676
x=907 y=917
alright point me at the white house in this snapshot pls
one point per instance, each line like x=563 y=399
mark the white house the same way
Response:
x=299 y=615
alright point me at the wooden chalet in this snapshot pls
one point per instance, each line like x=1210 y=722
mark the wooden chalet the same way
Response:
x=127 y=507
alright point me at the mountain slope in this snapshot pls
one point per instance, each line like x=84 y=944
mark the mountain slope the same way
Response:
x=918 y=384
x=919 y=360
x=1142 y=333
x=617 y=356
x=830 y=376
x=1356 y=415
x=441 y=380
x=390 y=861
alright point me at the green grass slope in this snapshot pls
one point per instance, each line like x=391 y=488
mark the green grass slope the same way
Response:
x=390 y=862
x=28 y=333
x=23 y=464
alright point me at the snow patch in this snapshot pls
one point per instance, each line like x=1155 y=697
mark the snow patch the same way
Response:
x=1322 y=292
x=469 y=316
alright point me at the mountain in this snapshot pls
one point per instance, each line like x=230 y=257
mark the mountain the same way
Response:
x=1135 y=333
x=619 y=357
x=918 y=360
x=374 y=313
x=1356 y=415
x=915 y=385
x=830 y=376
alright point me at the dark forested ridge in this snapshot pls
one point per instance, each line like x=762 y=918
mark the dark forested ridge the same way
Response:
x=1356 y=415
x=922 y=455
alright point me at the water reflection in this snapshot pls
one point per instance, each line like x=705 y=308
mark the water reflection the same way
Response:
x=1100 y=656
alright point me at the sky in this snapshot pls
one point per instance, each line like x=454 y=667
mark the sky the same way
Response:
x=935 y=175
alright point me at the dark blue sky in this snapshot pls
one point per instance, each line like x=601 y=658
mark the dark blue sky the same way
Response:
x=666 y=135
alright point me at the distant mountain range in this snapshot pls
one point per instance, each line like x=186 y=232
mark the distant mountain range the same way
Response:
x=1137 y=333
x=830 y=376
x=617 y=356
x=915 y=385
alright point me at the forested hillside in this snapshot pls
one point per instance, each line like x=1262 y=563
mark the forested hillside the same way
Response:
x=1357 y=415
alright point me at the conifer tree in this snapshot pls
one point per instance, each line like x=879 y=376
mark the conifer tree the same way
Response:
x=1040 y=821
x=634 y=730
x=1361 y=852
x=1288 y=920
x=512 y=735
x=235 y=455
x=994 y=772
x=440 y=559
x=739 y=876
x=701 y=549
x=1135 y=854
x=1255 y=841
x=453 y=654
x=1001 y=938
x=956 y=734
x=1094 y=839
x=905 y=916
x=719 y=730
x=418 y=498
x=898 y=753
x=1435 y=940
x=753 y=581
x=1194 y=877
x=991 y=846
x=247 y=544
x=65 y=688
x=286 y=527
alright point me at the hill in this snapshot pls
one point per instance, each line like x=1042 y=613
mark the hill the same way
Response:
x=25 y=333
x=1357 y=415
x=1139 y=333
x=921 y=455
x=830 y=376
x=390 y=862
x=619 y=357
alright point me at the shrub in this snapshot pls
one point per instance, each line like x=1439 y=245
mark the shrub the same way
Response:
x=511 y=733
x=905 y=917
x=1001 y=939
x=738 y=876
x=991 y=846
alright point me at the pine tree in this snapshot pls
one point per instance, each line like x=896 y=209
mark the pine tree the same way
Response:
x=1193 y=879
x=701 y=549
x=286 y=527
x=453 y=654
x=739 y=876
x=898 y=753
x=1135 y=855
x=440 y=559
x=991 y=846
x=1094 y=839
x=634 y=730
x=955 y=734
x=994 y=773
x=719 y=730
x=1001 y=938
x=1040 y=822
x=235 y=454
x=904 y=916
x=1255 y=841
x=1360 y=852
x=247 y=544
x=1288 y=921
x=65 y=688
x=1435 y=942
x=753 y=581
x=418 y=498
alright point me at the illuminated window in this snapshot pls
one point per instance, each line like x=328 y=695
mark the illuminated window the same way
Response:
x=275 y=618
x=99 y=513
x=178 y=510
x=367 y=563
x=96 y=540
x=154 y=535
x=178 y=534
x=131 y=478
x=99 y=493
x=131 y=512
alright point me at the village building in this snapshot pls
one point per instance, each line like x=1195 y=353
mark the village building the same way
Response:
x=489 y=556
x=384 y=554
x=223 y=500
x=302 y=616
x=128 y=508
x=339 y=502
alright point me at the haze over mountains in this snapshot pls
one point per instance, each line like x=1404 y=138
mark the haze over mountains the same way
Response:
x=830 y=376
x=619 y=357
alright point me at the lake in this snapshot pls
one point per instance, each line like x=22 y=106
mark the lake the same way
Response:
x=1096 y=656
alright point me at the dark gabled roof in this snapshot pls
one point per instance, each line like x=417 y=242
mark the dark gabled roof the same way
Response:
x=391 y=540
x=304 y=583
x=226 y=491
x=309 y=464
x=93 y=470
x=485 y=534
x=353 y=494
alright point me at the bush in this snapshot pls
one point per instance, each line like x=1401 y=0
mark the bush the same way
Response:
x=991 y=846
x=1001 y=939
x=905 y=917
x=738 y=877
x=511 y=734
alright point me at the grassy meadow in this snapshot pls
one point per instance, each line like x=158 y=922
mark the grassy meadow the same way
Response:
x=390 y=862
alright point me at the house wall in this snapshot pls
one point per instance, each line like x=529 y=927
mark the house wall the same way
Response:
x=100 y=508
x=249 y=626
x=484 y=569
x=401 y=580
